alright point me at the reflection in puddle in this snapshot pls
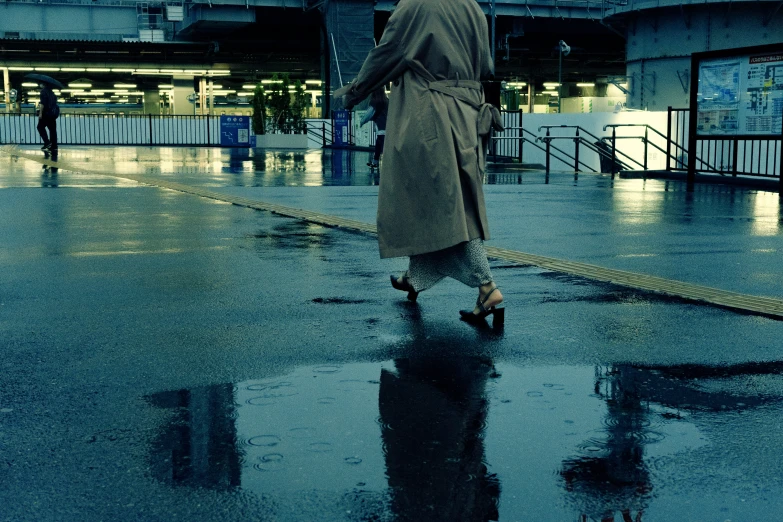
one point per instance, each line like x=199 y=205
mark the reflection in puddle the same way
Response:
x=437 y=438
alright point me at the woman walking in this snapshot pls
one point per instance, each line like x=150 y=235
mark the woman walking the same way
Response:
x=431 y=200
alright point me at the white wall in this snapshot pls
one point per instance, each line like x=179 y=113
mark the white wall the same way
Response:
x=594 y=124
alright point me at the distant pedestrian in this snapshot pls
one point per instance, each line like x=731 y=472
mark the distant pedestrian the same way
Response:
x=377 y=113
x=431 y=199
x=48 y=112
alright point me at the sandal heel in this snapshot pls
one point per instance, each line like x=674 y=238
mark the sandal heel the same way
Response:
x=498 y=318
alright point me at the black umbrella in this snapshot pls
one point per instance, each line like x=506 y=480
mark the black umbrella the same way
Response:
x=45 y=79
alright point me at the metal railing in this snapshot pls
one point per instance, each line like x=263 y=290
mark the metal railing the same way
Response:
x=115 y=129
x=759 y=156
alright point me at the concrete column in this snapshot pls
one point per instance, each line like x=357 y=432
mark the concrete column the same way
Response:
x=6 y=89
x=183 y=87
x=531 y=92
x=211 y=96
x=152 y=102
x=202 y=96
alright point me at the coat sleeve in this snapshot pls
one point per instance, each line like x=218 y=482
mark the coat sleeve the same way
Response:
x=387 y=61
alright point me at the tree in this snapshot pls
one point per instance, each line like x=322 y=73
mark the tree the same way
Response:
x=259 y=110
x=298 y=109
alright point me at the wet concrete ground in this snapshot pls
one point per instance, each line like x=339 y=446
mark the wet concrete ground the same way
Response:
x=168 y=357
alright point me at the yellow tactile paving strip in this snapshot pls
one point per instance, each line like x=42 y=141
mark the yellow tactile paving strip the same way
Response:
x=767 y=306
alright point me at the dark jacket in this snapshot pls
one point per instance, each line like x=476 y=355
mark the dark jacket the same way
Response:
x=49 y=107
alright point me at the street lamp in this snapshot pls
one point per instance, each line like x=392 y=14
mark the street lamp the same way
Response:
x=564 y=51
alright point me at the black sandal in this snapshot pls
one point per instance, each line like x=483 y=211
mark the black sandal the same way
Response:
x=405 y=286
x=498 y=314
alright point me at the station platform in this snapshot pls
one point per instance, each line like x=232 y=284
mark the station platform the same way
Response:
x=209 y=334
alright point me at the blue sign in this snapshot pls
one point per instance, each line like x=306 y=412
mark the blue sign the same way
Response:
x=341 y=131
x=235 y=132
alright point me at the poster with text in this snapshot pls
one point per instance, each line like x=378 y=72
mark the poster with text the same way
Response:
x=717 y=100
x=740 y=96
x=761 y=104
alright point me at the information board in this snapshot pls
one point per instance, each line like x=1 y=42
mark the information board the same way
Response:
x=740 y=95
x=235 y=131
x=341 y=134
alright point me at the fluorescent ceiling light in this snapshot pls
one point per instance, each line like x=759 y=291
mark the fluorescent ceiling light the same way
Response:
x=123 y=70
x=100 y=69
x=244 y=94
x=52 y=69
x=551 y=93
x=248 y=86
x=165 y=86
x=82 y=85
x=585 y=84
x=314 y=82
x=72 y=69
x=551 y=84
x=29 y=84
x=125 y=85
x=20 y=68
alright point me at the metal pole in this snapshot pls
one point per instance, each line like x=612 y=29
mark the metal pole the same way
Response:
x=7 y=89
x=576 y=152
x=519 y=133
x=548 y=140
x=669 y=140
x=337 y=61
x=780 y=167
x=614 y=149
x=492 y=16
x=645 y=148
x=559 y=80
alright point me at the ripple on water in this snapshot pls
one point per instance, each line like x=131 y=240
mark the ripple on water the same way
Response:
x=270 y=462
x=353 y=460
x=535 y=394
x=264 y=441
x=328 y=368
x=320 y=447
x=301 y=433
x=268 y=386
x=326 y=400
x=558 y=387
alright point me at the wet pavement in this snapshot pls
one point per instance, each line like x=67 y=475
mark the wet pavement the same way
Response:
x=170 y=357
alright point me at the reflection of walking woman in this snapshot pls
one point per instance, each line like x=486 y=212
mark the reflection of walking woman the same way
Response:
x=378 y=111
x=431 y=199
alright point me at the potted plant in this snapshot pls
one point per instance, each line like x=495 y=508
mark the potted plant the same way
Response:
x=285 y=123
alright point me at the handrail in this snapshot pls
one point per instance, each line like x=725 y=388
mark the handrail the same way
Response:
x=569 y=127
x=581 y=140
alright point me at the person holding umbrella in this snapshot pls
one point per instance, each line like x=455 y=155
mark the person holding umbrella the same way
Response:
x=48 y=110
x=431 y=200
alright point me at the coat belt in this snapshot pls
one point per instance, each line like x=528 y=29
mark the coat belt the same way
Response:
x=489 y=117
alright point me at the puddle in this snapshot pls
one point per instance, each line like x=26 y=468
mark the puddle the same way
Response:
x=461 y=438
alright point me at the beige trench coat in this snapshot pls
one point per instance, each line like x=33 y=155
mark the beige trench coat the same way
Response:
x=430 y=194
